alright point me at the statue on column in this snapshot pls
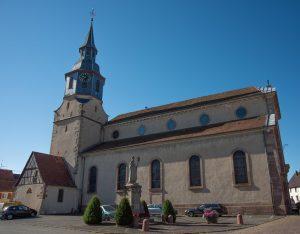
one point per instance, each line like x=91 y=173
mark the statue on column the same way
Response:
x=133 y=171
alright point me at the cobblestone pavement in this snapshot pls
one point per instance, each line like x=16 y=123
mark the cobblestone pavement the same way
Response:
x=74 y=225
x=286 y=225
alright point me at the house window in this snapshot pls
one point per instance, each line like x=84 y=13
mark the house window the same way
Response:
x=121 y=176
x=195 y=173
x=155 y=174
x=92 y=187
x=97 y=86
x=71 y=83
x=240 y=167
x=29 y=191
x=60 y=196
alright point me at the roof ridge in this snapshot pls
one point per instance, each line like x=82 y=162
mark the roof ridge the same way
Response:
x=188 y=103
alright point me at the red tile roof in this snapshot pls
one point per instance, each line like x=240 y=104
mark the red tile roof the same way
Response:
x=7 y=180
x=186 y=104
x=295 y=181
x=213 y=129
x=53 y=170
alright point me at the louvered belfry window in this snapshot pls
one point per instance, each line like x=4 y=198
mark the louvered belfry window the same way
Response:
x=155 y=174
x=240 y=167
x=195 y=173
x=92 y=188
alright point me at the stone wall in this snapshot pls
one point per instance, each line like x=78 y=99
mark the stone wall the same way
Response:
x=216 y=165
x=51 y=205
x=30 y=195
x=221 y=112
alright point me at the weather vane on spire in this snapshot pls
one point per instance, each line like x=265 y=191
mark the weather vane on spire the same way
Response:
x=93 y=14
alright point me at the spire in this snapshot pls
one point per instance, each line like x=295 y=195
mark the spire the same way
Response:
x=88 y=51
x=89 y=40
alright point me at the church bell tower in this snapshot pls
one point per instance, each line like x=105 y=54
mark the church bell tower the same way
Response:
x=79 y=119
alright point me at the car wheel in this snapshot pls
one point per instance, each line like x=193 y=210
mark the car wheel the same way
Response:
x=33 y=214
x=191 y=214
x=9 y=217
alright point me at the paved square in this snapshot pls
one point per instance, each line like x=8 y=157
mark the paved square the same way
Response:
x=75 y=225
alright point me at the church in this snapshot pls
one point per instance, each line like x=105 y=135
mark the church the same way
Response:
x=222 y=148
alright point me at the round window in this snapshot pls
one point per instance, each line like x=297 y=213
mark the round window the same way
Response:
x=204 y=119
x=142 y=130
x=115 y=134
x=241 y=112
x=171 y=124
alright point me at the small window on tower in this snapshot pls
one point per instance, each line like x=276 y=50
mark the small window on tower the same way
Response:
x=66 y=128
x=97 y=86
x=71 y=83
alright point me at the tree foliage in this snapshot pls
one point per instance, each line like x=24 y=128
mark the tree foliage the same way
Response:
x=146 y=211
x=124 y=215
x=93 y=211
x=168 y=209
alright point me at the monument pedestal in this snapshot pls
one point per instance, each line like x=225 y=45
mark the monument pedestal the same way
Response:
x=134 y=197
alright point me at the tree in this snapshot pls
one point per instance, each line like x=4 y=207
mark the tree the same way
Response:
x=146 y=211
x=93 y=211
x=123 y=214
x=168 y=209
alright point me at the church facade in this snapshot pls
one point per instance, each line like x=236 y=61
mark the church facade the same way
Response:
x=222 y=148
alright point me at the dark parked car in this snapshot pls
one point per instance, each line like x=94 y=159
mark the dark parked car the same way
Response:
x=20 y=211
x=198 y=211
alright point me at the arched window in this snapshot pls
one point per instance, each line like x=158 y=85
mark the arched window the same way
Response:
x=92 y=188
x=121 y=176
x=155 y=174
x=240 y=167
x=195 y=173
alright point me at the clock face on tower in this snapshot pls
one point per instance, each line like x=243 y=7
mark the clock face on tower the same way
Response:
x=84 y=77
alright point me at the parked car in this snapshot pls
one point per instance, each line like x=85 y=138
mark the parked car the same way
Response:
x=108 y=212
x=155 y=210
x=198 y=211
x=19 y=211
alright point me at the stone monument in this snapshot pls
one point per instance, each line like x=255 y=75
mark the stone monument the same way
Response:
x=133 y=189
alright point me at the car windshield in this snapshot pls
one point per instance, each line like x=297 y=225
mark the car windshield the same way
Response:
x=5 y=208
x=108 y=208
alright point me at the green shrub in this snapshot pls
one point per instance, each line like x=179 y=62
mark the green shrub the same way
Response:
x=168 y=209
x=146 y=211
x=123 y=214
x=93 y=211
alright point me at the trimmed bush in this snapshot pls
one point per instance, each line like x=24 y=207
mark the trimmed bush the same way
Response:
x=123 y=214
x=146 y=211
x=93 y=211
x=167 y=210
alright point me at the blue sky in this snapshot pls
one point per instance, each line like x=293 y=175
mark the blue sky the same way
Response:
x=151 y=53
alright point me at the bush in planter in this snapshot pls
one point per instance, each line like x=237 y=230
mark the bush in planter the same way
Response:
x=145 y=209
x=211 y=216
x=167 y=210
x=93 y=211
x=123 y=214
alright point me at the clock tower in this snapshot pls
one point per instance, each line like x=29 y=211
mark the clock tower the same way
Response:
x=79 y=120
